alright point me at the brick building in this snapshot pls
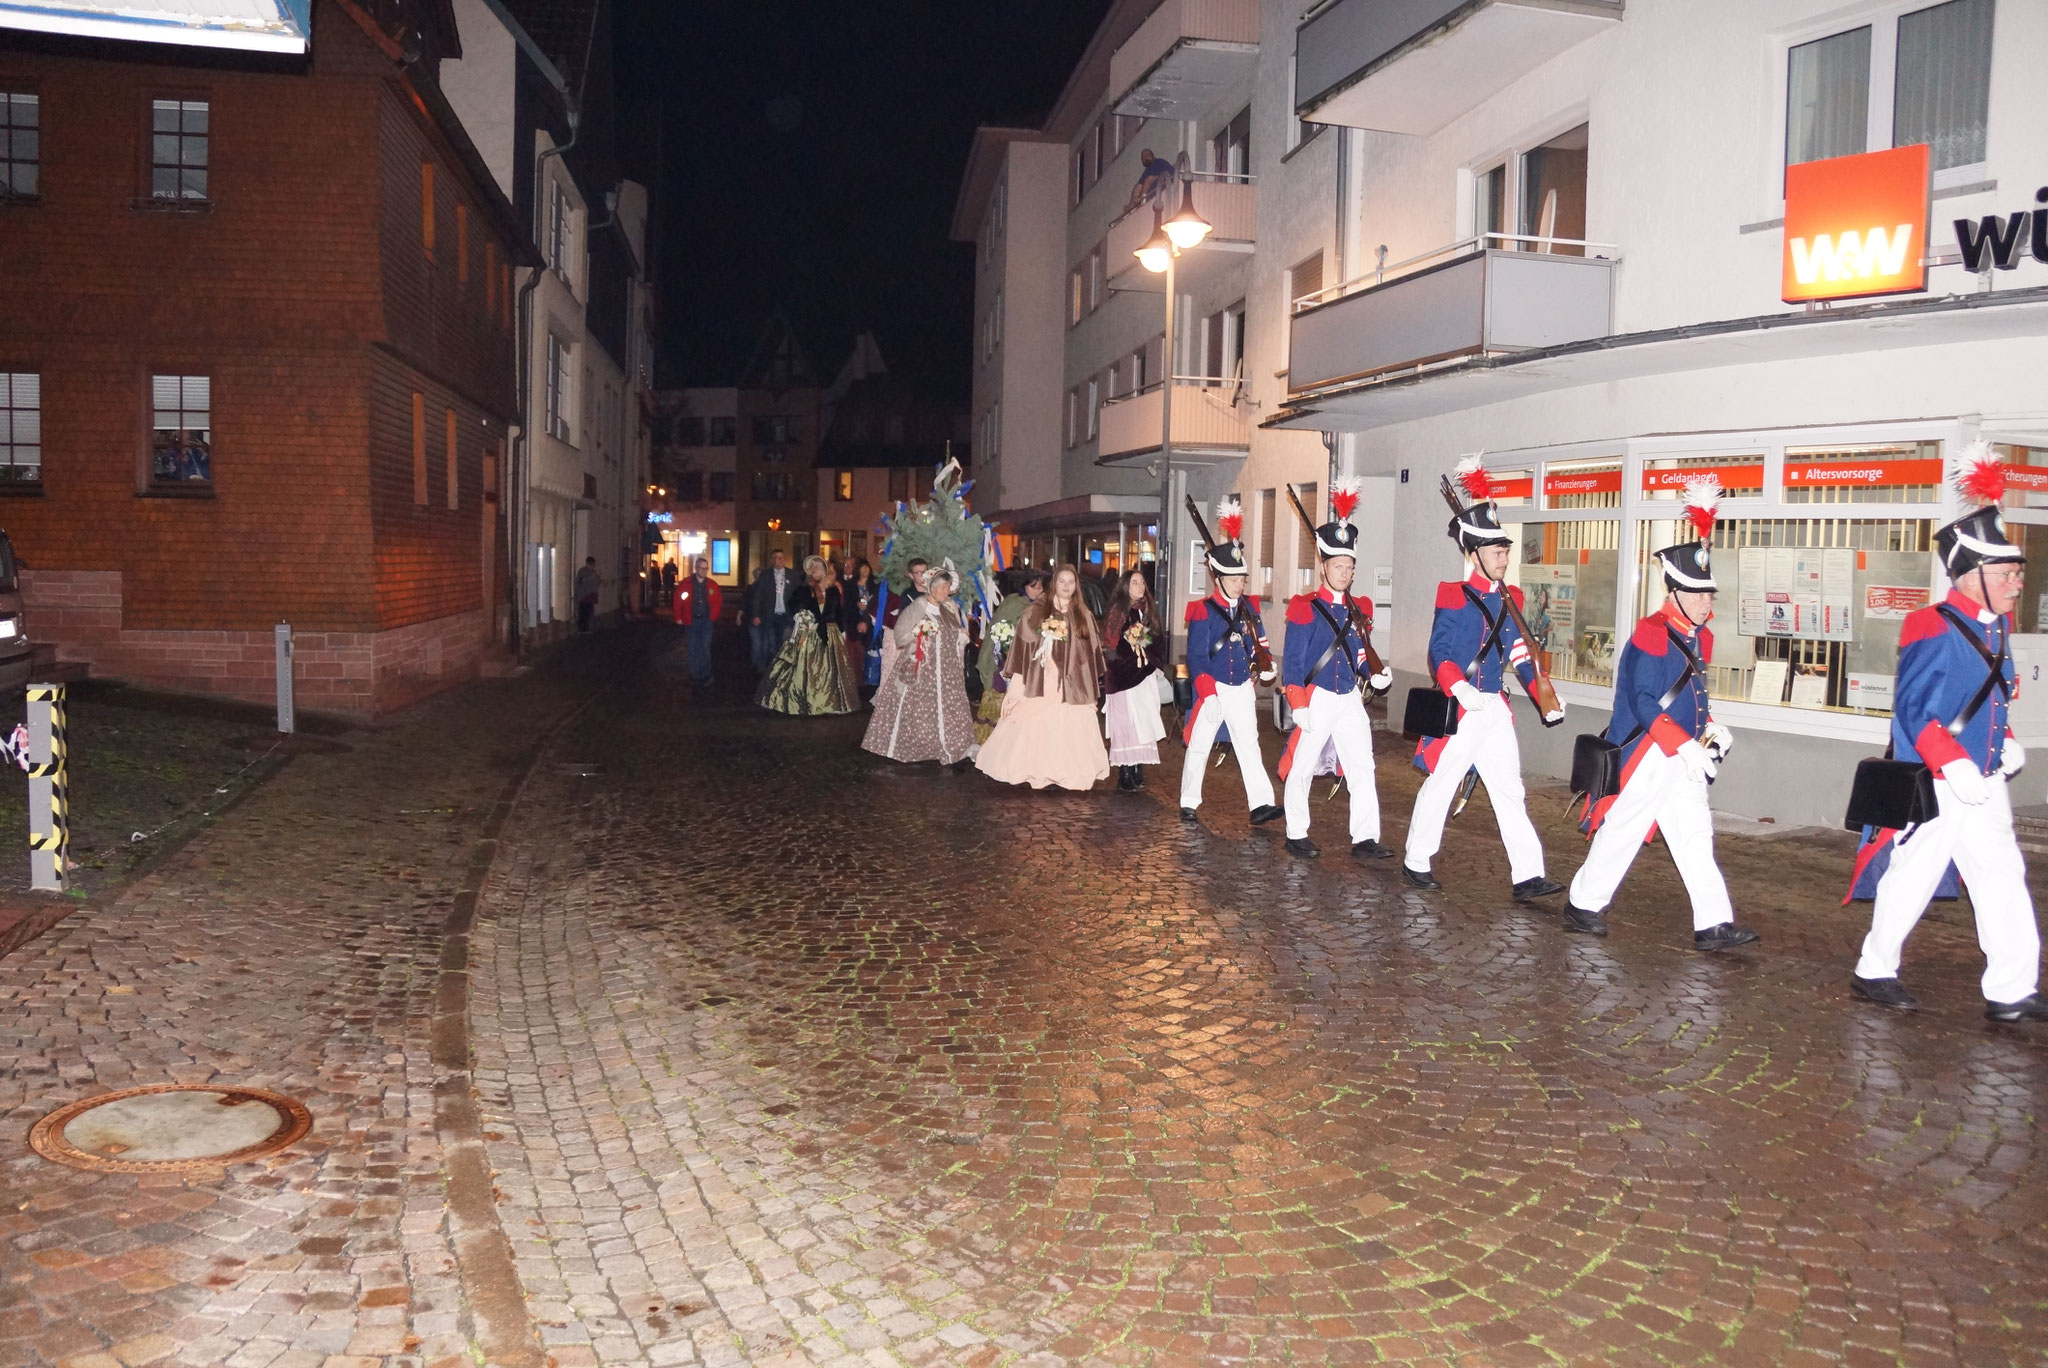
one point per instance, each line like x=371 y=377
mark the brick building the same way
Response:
x=261 y=333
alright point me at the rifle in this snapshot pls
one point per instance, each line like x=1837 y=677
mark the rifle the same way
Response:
x=1262 y=658
x=1374 y=665
x=1541 y=692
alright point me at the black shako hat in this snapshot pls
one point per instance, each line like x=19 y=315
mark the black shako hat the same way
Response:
x=1475 y=525
x=1690 y=565
x=1978 y=537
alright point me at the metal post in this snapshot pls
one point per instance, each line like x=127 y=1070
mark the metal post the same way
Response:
x=49 y=791
x=1168 y=562
x=285 y=721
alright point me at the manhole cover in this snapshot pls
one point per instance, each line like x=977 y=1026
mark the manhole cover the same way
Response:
x=168 y=1127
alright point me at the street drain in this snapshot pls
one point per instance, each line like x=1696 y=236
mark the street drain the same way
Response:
x=169 y=1127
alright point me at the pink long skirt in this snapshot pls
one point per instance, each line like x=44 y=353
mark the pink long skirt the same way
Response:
x=1042 y=741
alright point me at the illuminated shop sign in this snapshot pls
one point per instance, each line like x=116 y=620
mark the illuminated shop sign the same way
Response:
x=241 y=25
x=1918 y=471
x=1856 y=226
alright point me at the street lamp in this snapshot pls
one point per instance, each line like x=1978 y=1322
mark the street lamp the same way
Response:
x=1170 y=237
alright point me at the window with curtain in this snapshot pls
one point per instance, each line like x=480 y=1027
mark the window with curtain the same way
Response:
x=1827 y=97
x=1942 y=94
x=181 y=444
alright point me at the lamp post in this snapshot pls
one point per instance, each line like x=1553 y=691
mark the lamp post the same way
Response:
x=1170 y=237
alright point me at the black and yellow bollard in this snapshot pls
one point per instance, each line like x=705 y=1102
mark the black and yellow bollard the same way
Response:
x=49 y=802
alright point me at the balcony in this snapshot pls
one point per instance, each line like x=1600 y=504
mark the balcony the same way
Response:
x=1412 y=66
x=1477 y=303
x=1205 y=422
x=1185 y=57
x=1232 y=208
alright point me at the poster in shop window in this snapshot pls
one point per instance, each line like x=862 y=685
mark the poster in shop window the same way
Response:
x=1799 y=592
x=1551 y=604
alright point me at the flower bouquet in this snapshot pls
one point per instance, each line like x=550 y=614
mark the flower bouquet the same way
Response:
x=1139 y=636
x=923 y=638
x=804 y=621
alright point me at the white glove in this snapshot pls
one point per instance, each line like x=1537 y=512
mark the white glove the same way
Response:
x=1384 y=680
x=1470 y=697
x=1965 y=781
x=2012 y=759
x=1718 y=741
x=1699 y=766
x=1551 y=719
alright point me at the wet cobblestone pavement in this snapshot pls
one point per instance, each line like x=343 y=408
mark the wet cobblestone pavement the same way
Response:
x=784 y=1054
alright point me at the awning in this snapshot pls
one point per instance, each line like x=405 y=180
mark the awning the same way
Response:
x=283 y=26
x=1081 y=513
x=1477 y=381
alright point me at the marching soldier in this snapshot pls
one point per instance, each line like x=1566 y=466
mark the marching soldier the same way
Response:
x=1226 y=649
x=1327 y=673
x=1670 y=748
x=1955 y=685
x=1473 y=643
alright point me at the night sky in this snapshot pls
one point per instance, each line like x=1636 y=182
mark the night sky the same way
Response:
x=807 y=156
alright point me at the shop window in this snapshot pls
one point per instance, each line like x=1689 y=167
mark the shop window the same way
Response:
x=1741 y=476
x=1594 y=483
x=1567 y=572
x=1809 y=610
x=181 y=441
x=1887 y=473
x=21 y=427
x=20 y=144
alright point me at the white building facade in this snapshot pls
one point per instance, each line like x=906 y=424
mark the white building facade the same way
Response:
x=1557 y=233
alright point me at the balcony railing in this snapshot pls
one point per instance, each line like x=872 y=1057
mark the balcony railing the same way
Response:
x=1205 y=420
x=1457 y=301
x=1412 y=66
x=1184 y=57
x=1231 y=205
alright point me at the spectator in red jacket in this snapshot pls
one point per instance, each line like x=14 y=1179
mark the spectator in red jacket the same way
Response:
x=697 y=607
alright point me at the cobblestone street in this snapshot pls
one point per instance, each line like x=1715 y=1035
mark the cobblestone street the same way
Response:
x=783 y=1054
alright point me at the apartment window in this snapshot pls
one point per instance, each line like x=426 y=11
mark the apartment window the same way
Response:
x=995 y=429
x=899 y=484
x=690 y=487
x=560 y=229
x=1299 y=131
x=1094 y=406
x=1223 y=345
x=1123 y=132
x=720 y=482
x=1230 y=151
x=1942 y=92
x=1095 y=281
x=1305 y=279
x=724 y=431
x=1138 y=362
x=690 y=431
x=1827 y=97
x=462 y=243
x=1073 y=417
x=427 y=208
x=181 y=440
x=20 y=144
x=178 y=150
x=1076 y=173
x=842 y=486
x=997 y=316
x=775 y=486
x=1076 y=294
x=779 y=429
x=558 y=376
x=1490 y=209
x=419 y=449
x=1554 y=192
x=451 y=464
x=21 y=426
x=1266 y=514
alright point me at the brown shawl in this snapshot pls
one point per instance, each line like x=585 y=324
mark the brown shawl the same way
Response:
x=1079 y=657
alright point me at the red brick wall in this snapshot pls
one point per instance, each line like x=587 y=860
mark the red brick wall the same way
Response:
x=304 y=292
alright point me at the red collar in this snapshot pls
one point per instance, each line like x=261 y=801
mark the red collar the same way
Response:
x=1329 y=595
x=1481 y=585
x=1220 y=601
x=1679 y=620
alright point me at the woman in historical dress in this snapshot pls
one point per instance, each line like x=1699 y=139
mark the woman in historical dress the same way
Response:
x=858 y=604
x=1023 y=588
x=921 y=710
x=811 y=675
x=1047 y=734
x=1130 y=680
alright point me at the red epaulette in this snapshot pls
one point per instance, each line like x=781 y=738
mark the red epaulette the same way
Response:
x=1450 y=594
x=1520 y=600
x=1921 y=624
x=1300 y=609
x=1194 y=611
x=1649 y=637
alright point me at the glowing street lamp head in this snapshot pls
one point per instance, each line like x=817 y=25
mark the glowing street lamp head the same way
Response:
x=1157 y=253
x=1187 y=228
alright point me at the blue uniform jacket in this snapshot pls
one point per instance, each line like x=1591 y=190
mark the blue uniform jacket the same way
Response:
x=1210 y=651
x=1459 y=628
x=1308 y=636
x=1650 y=665
x=1939 y=673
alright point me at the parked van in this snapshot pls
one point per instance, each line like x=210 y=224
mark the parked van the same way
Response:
x=15 y=652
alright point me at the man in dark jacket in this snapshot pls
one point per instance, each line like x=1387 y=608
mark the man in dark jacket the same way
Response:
x=770 y=608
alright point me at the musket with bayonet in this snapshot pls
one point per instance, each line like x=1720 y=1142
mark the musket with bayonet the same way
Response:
x=1541 y=691
x=1262 y=658
x=1374 y=666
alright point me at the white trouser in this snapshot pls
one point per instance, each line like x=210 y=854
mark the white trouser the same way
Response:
x=1980 y=842
x=1237 y=707
x=1657 y=793
x=1340 y=718
x=1485 y=740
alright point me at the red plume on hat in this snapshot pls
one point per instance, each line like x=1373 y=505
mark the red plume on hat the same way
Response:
x=1344 y=497
x=1703 y=504
x=1230 y=517
x=1472 y=477
x=1980 y=475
